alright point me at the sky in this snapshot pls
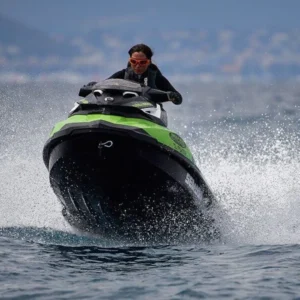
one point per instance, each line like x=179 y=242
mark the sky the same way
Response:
x=70 y=16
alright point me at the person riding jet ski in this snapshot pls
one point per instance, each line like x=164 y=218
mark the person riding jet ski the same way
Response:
x=141 y=69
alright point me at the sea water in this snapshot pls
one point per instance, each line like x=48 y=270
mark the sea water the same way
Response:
x=245 y=139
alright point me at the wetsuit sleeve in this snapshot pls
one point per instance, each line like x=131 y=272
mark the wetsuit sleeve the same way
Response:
x=163 y=84
x=119 y=74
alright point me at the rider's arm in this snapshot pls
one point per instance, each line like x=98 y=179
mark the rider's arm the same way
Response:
x=163 y=84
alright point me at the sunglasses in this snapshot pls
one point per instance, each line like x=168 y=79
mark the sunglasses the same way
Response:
x=141 y=62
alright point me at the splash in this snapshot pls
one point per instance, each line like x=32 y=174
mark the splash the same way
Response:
x=26 y=119
x=254 y=170
x=251 y=164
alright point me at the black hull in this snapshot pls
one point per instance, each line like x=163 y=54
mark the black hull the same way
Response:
x=131 y=189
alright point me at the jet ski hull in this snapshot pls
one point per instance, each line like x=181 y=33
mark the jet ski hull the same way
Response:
x=113 y=184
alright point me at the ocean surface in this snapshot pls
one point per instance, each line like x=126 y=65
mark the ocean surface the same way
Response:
x=245 y=139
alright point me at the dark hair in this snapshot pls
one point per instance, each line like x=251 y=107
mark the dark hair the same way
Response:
x=141 y=48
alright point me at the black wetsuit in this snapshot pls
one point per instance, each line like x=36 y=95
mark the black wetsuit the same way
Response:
x=152 y=77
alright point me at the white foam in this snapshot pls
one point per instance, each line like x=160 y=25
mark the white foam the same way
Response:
x=26 y=198
x=255 y=175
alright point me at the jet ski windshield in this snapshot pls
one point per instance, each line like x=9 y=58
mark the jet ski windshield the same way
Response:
x=118 y=84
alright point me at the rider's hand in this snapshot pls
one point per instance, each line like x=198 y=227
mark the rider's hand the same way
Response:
x=175 y=97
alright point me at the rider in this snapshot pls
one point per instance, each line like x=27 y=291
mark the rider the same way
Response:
x=141 y=69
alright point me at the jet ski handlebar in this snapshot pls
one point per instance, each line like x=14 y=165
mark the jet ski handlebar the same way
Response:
x=156 y=95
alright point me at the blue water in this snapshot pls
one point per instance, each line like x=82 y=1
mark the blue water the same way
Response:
x=245 y=139
x=39 y=268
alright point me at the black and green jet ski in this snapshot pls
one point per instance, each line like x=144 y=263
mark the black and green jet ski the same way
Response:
x=119 y=171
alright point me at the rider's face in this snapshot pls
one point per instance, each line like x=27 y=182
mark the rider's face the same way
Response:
x=139 y=62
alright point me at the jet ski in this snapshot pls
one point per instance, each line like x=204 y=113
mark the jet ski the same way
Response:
x=118 y=170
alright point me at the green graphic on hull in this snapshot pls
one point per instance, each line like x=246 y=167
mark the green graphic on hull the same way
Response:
x=162 y=134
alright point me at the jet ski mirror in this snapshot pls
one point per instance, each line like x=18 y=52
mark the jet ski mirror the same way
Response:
x=130 y=94
x=98 y=93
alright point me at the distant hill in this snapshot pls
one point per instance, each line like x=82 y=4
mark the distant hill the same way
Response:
x=183 y=55
x=31 y=41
